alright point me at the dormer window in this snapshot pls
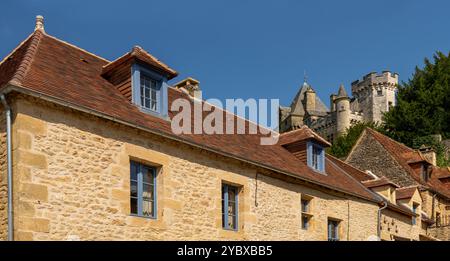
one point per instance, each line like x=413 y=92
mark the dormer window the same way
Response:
x=149 y=91
x=316 y=156
x=148 y=87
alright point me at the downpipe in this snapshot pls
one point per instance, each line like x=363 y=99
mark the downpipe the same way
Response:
x=9 y=167
x=379 y=219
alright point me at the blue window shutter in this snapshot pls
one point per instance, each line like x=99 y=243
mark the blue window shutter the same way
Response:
x=236 y=206
x=135 y=84
x=309 y=152
x=155 y=194
x=225 y=206
x=322 y=160
x=140 y=188
x=164 y=99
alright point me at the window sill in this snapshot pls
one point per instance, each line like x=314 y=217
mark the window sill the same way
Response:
x=230 y=229
x=143 y=217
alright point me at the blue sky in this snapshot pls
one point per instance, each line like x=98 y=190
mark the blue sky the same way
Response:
x=248 y=49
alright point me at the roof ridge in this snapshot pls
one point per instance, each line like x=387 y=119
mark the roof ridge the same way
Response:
x=27 y=59
x=15 y=49
x=76 y=47
x=391 y=139
x=140 y=49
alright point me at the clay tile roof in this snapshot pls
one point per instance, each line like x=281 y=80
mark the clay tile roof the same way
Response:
x=406 y=192
x=441 y=173
x=140 y=54
x=304 y=133
x=383 y=181
x=51 y=69
x=404 y=156
x=354 y=172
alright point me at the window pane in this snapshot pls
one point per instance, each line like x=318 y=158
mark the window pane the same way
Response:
x=147 y=103
x=147 y=176
x=133 y=205
x=147 y=193
x=231 y=208
x=147 y=208
x=133 y=189
x=133 y=172
x=231 y=194
x=231 y=222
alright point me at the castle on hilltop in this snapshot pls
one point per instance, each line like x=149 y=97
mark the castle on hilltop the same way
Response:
x=372 y=96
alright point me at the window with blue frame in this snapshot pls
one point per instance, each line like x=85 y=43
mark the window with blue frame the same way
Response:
x=316 y=156
x=333 y=230
x=230 y=207
x=149 y=91
x=143 y=190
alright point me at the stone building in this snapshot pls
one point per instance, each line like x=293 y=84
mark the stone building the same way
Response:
x=407 y=167
x=87 y=153
x=372 y=96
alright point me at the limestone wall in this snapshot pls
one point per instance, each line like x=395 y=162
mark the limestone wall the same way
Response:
x=3 y=180
x=72 y=182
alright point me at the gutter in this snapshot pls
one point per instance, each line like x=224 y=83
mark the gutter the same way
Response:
x=9 y=88
x=9 y=167
x=379 y=218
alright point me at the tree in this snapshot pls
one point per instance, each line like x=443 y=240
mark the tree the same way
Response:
x=344 y=143
x=423 y=103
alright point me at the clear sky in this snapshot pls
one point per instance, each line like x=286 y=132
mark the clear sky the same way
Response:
x=248 y=49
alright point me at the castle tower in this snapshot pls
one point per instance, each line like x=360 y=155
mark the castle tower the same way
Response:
x=310 y=96
x=376 y=93
x=342 y=105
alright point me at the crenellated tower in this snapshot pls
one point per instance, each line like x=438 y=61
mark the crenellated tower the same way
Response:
x=375 y=94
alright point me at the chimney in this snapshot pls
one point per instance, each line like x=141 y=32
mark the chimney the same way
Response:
x=190 y=86
x=429 y=154
x=39 y=23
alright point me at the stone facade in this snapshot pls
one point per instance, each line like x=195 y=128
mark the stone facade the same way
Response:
x=72 y=177
x=381 y=162
x=3 y=179
x=372 y=96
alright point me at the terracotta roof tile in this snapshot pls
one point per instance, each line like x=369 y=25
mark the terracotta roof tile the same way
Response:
x=383 y=181
x=140 y=54
x=406 y=192
x=71 y=76
x=303 y=133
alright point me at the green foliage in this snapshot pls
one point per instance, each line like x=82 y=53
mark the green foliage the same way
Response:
x=343 y=144
x=423 y=106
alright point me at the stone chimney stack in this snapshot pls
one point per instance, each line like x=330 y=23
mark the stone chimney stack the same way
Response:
x=429 y=154
x=190 y=86
x=39 y=23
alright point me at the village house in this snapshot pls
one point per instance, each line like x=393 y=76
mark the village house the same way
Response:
x=409 y=168
x=87 y=153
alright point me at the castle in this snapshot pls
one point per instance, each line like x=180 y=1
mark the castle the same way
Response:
x=372 y=96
